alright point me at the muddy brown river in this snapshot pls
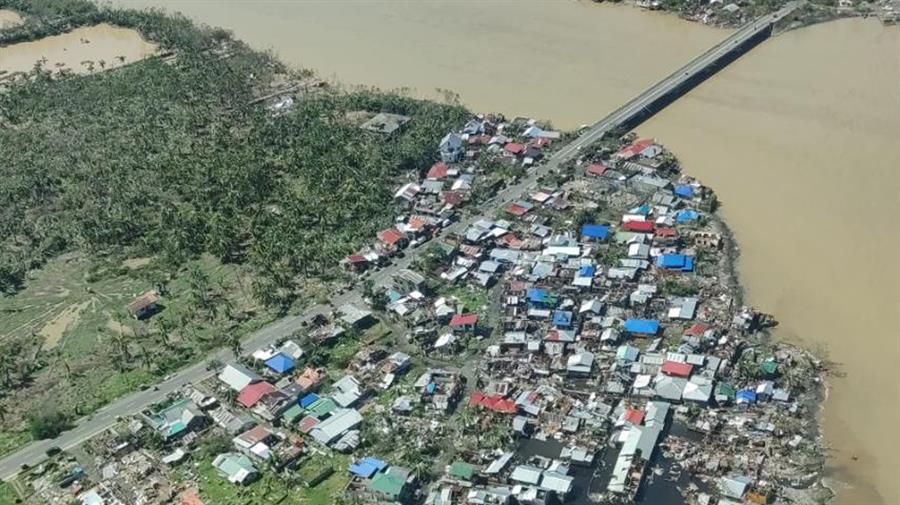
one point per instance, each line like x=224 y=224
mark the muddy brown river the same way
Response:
x=800 y=138
x=82 y=50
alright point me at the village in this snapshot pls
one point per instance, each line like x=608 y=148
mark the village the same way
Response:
x=585 y=343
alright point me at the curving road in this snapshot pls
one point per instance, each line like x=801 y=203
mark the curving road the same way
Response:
x=101 y=420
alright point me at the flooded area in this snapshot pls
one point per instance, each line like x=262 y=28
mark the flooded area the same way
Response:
x=570 y=62
x=82 y=50
x=799 y=139
x=9 y=18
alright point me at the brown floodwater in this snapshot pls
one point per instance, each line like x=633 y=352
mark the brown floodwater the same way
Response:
x=567 y=61
x=800 y=138
x=78 y=50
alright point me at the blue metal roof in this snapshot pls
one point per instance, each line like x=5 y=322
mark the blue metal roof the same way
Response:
x=686 y=215
x=747 y=395
x=363 y=470
x=281 y=363
x=375 y=462
x=308 y=400
x=562 y=318
x=646 y=326
x=676 y=262
x=598 y=231
x=586 y=271
x=536 y=295
x=684 y=190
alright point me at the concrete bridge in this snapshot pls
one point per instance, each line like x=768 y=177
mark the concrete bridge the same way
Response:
x=679 y=82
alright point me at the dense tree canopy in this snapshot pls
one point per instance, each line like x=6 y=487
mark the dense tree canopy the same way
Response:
x=173 y=158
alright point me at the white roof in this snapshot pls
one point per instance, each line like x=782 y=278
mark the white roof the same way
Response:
x=527 y=474
x=237 y=376
x=445 y=339
x=339 y=422
x=555 y=481
x=292 y=349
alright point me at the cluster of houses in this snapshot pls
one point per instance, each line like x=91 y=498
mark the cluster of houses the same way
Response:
x=613 y=355
x=619 y=325
x=432 y=201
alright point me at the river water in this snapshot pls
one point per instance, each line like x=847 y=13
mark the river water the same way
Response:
x=800 y=139
x=80 y=50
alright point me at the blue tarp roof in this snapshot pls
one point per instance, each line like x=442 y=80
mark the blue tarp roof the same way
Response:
x=688 y=264
x=394 y=295
x=686 y=215
x=598 y=231
x=536 y=295
x=676 y=262
x=367 y=467
x=562 y=318
x=586 y=271
x=684 y=191
x=747 y=395
x=643 y=209
x=308 y=400
x=671 y=261
x=647 y=326
x=362 y=470
x=280 y=363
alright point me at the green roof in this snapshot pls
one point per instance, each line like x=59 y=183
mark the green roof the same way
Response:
x=321 y=407
x=769 y=367
x=292 y=414
x=387 y=483
x=462 y=470
x=725 y=389
x=231 y=464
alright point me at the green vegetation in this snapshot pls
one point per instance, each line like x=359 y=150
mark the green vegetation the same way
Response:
x=231 y=213
x=8 y=494
x=472 y=299
x=48 y=425
x=680 y=287
x=285 y=488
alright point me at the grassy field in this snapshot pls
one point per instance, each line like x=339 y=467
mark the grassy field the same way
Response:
x=74 y=310
x=8 y=495
x=269 y=488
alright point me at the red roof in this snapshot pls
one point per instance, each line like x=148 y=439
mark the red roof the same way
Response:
x=630 y=151
x=677 y=369
x=516 y=209
x=697 y=329
x=464 y=320
x=479 y=139
x=511 y=240
x=390 y=236
x=438 y=171
x=356 y=258
x=639 y=226
x=514 y=148
x=634 y=416
x=596 y=169
x=493 y=402
x=417 y=222
x=666 y=231
x=307 y=424
x=251 y=394
x=452 y=197
x=540 y=142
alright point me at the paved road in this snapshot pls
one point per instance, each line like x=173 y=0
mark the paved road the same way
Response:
x=106 y=417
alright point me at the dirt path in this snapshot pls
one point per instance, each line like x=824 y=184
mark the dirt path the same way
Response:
x=56 y=327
